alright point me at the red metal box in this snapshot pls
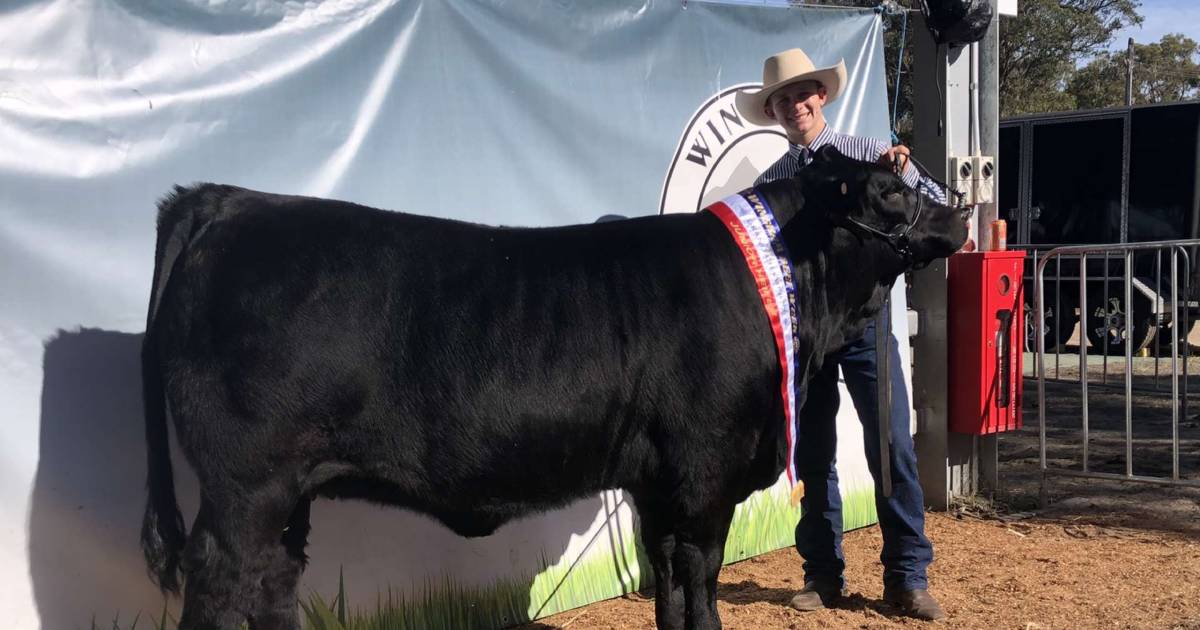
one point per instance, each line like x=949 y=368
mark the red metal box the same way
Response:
x=986 y=325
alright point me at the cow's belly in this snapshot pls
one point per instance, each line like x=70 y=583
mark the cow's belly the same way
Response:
x=466 y=516
x=474 y=480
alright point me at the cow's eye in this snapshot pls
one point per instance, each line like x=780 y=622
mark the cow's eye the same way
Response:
x=894 y=196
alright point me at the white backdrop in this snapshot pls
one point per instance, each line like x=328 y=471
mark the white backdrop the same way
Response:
x=487 y=110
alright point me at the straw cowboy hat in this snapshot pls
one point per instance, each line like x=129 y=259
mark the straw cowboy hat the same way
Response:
x=786 y=68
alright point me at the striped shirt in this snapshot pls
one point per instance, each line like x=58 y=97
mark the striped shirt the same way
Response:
x=865 y=149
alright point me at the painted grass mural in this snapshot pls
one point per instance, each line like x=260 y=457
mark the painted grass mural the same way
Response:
x=764 y=522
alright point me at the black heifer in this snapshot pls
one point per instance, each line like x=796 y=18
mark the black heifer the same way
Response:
x=307 y=347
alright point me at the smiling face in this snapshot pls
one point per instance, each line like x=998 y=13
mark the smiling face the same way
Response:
x=797 y=108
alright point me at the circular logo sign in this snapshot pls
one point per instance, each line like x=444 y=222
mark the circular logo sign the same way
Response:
x=720 y=153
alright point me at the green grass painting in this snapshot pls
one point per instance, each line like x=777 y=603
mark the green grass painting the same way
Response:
x=766 y=521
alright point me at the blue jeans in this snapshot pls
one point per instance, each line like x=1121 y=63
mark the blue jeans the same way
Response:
x=906 y=551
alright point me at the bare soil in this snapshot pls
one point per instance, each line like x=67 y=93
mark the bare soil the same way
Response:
x=1024 y=574
x=1097 y=554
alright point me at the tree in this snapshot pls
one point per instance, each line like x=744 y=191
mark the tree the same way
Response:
x=1040 y=48
x=1099 y=84
x=1162 y=72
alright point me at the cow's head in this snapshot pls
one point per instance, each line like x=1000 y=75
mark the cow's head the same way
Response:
x=873 y=203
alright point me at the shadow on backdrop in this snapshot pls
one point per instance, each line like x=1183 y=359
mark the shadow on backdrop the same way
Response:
x=89 y=492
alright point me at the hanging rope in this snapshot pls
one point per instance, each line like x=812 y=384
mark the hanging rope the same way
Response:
x=891 y=8
x=899 y=65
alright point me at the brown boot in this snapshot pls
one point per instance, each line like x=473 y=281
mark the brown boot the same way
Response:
x=917 y=603
x=815 y=596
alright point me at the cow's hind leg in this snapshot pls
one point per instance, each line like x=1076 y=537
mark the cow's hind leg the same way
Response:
x=234 y=545
x=276 y=608
x=658 y=537
x=699 y=552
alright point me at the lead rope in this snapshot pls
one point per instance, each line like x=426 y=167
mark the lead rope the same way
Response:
x=883 y=384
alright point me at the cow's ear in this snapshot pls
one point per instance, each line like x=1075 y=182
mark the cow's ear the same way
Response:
x=828 y=153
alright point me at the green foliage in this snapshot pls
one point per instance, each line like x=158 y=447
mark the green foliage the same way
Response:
x=1040 y=48
x=1164 y=71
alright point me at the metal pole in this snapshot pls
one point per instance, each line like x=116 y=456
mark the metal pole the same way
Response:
x=973 y=88
x=1175 y=331
x=1104 y=312
x=1059 y=344
x=1187 y=326
x=1039 y=273
x=1187 y=483
x=930 y=90
x=1129 y=74
x=986 y=103
x=1158 y=306
x=1129 y=363
x=940 y=76
x=988 y=93
x=1083 y=378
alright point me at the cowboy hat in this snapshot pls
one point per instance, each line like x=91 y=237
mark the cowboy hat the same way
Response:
x=786 y=68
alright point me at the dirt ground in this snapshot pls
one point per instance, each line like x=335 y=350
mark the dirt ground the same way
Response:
x=1099 y=554
x=1025 y=574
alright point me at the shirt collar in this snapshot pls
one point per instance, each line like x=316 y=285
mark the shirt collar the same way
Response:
x=804 y=153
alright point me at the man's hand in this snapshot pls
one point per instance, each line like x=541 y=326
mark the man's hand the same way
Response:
x=896 y=158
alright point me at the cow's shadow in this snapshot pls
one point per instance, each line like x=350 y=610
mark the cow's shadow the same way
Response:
x=89 y=491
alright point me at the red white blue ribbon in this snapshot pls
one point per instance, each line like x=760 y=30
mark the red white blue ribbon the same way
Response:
x=756 y=232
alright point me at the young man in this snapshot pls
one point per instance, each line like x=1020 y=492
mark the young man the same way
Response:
x=793 y=95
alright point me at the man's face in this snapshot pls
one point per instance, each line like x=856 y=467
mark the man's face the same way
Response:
x=797 y=108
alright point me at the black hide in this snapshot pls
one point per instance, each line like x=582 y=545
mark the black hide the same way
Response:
x=309 y=347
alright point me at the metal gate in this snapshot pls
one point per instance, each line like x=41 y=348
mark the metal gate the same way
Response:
x=1129 y=297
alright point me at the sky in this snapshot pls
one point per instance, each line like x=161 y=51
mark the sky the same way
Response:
x=1162 y=17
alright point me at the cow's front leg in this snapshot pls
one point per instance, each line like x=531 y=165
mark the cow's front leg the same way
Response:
x=699 y=551
x=658 y=537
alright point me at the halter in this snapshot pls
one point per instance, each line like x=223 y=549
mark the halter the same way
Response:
x=897 y=237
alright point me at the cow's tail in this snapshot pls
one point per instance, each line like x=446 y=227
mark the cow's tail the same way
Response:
x=163 y=531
